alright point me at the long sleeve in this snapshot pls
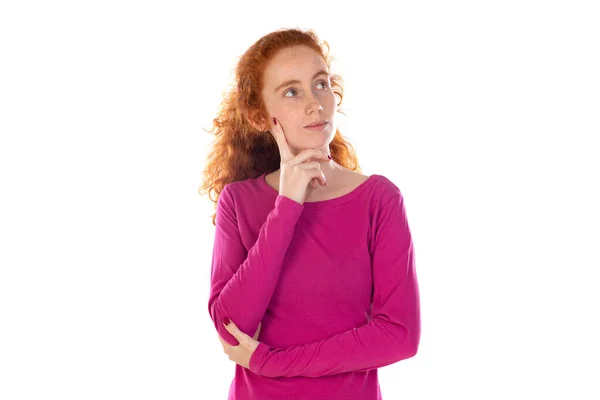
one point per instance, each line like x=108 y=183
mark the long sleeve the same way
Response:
x=243 y=282
x=393 y=334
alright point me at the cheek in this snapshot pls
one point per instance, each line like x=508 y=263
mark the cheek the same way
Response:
x=285 y=110
x=329 y=100
x=289 y=112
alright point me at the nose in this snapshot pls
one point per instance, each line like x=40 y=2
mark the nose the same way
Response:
x=313 y=105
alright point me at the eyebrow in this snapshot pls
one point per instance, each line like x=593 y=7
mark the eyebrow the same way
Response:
x=321 y=72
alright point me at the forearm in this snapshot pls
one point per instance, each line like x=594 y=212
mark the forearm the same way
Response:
x=374 y=345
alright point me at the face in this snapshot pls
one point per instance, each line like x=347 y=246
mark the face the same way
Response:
x=298 y=104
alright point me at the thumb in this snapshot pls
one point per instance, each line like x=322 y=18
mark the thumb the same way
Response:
x=255 y=337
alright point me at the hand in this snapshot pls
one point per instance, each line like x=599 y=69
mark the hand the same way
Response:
x=241 y=353
x=297 y=171
x=314 y=182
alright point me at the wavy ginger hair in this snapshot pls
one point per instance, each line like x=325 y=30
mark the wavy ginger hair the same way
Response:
x=240 y=151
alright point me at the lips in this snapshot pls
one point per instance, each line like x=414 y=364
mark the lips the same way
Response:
x=316 y=123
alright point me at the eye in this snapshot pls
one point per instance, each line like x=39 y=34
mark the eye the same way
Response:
x=325 y=85
x=291 y=90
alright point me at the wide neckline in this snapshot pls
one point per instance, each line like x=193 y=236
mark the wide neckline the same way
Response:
x=336 y=201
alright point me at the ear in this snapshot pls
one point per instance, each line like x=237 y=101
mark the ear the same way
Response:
x=257 y=122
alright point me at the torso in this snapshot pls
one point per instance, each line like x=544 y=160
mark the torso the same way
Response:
x=342 y=184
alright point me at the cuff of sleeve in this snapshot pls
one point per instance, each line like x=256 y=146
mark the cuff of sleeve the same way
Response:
x=288 y=208
x=258 y=357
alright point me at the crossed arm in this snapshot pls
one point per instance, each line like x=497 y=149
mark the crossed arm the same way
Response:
x=393 y=334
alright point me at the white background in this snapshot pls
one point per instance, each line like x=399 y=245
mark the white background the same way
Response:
x=484 y=114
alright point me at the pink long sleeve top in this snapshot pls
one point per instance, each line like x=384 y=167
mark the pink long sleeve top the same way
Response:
x=333 y=283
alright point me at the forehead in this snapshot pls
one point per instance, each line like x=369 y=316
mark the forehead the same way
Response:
x=298 y=62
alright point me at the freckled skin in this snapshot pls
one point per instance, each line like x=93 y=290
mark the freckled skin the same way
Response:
x=299 y=104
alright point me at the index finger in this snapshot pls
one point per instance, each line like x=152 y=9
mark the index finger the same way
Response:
x=284 y=148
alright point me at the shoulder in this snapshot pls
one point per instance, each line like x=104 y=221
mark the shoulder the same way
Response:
x=238 y=191
x=378 y=187
x=387 y=213
x=384 y=189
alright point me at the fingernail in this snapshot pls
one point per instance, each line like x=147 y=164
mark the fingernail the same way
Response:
x=274 y=121
x=226 y=321
x=329 y=157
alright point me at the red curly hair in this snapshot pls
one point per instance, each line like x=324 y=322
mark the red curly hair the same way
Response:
x=240 y=151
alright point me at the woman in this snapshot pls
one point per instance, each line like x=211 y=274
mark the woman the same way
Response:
x=311 y=257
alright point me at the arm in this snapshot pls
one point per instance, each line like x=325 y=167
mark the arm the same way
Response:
x=243 y=282
x=393 y=334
